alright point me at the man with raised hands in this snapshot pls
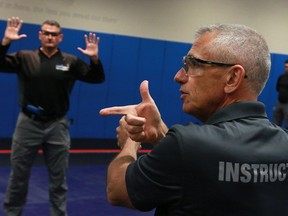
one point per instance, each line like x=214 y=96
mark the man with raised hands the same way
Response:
x=46 y=78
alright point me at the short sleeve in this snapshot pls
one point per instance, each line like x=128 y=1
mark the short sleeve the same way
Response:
x=155 y=178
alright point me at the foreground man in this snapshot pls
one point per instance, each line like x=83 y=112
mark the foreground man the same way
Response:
x=236 y=164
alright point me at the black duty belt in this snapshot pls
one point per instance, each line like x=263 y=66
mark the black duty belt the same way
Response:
x=41 y=118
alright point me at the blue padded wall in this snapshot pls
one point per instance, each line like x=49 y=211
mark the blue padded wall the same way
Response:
x=127 y=62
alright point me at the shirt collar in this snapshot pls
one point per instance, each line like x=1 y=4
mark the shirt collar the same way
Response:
x=238 y=110
x=43 y=54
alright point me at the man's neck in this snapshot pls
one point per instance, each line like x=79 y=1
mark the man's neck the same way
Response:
x=49 y=52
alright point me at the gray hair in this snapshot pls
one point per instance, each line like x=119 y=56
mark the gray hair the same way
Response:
x=242 y=45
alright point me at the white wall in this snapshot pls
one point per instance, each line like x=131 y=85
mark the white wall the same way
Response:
x=173 y=20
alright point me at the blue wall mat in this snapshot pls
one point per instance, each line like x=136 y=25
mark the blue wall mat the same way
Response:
x=127 y=62
x=87 y=99
x=8 y=104
x=121 y=81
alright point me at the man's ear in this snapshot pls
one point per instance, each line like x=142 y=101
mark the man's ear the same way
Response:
x=235 y=77
x=39 y=35
x=60 y=38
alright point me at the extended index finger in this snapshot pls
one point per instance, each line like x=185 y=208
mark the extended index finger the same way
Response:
x=118 y=110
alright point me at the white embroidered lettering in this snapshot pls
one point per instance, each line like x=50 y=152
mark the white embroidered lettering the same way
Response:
x=252 y=173
x=62 y=67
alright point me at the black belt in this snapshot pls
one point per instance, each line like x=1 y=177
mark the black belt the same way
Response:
x=41 y=118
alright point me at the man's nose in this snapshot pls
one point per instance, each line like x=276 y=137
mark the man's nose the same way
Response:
x=181 y=76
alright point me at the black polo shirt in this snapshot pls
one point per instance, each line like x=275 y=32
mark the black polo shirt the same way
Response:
x=47 y=82
x=234 y=165
x=282 y=88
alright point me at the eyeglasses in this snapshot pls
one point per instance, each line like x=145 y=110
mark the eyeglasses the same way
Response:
x=194 y=63
x=53 y=34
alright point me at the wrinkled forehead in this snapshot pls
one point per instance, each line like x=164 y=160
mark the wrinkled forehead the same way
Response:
x=202 y=45
x=206 y=38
